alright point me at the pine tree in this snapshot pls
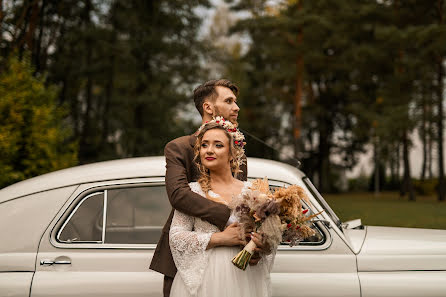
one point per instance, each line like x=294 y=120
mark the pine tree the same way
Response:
x=302 y=52
x=124 y=67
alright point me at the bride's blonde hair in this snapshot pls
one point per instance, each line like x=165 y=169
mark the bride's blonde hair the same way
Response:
x=205 y=179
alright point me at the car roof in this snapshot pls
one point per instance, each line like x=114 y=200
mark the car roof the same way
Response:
x=132 y=168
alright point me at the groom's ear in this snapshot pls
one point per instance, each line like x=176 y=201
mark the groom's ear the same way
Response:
x=208 y=108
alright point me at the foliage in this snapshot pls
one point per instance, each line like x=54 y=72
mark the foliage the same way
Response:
x=358 y=184
x=360 y=70
x=125 y=68
x=32 y=133
x=321 y=80
x=319 y=36
x=426 y=187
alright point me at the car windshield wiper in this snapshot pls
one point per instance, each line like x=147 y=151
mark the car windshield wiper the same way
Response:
x=322 y=201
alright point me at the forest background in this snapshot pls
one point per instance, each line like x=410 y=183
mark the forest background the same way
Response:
x=321 y=82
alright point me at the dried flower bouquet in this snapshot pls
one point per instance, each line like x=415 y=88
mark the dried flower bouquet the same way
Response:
x=279 y=216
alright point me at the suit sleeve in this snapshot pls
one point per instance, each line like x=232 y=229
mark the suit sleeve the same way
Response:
x=182 y=198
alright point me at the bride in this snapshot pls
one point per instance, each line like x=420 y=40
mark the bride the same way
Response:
x=203 y=254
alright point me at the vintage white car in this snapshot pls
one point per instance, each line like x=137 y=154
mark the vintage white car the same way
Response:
x=53 y=241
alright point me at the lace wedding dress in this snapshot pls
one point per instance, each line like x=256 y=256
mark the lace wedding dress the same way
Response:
x=210 y=273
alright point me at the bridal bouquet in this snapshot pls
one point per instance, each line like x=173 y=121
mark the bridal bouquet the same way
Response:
x=279 y=215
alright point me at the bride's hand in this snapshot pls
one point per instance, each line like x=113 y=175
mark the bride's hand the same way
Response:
x=231 y=236
x=262 y=245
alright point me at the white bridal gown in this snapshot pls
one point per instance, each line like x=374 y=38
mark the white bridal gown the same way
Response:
x=210 y=273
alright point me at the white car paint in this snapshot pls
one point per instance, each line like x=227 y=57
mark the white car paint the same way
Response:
x=368 y=261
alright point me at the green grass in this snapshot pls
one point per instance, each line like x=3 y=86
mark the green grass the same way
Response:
x=388 y=209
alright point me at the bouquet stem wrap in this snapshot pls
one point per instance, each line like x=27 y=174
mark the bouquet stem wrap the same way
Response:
x=242 y=259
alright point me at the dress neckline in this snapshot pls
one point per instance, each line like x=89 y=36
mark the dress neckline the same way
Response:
x=246 y=185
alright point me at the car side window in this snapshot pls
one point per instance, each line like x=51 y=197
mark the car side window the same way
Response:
x=81 y=224
x=136 y=215
x=133 y=215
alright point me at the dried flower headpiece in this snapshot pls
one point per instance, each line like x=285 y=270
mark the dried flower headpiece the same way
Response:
x=237 y=136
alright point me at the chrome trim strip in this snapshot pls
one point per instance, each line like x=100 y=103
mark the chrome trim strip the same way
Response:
x=108 y=246
x=71 y=215
x=104 y=216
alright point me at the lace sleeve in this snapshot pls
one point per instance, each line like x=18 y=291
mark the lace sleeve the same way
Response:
x=188 y=250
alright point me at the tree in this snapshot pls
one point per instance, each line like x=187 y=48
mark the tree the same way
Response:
x=424 y=28
x=440 y=58
x=302 y=64
x=33 y=136
x=125 y=75
x=123 y=67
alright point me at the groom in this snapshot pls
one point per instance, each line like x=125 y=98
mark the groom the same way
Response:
x=213 y=98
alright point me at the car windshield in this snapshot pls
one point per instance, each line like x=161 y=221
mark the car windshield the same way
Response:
x=322 y=202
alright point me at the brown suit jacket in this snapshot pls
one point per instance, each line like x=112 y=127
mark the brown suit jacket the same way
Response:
x=181 y=170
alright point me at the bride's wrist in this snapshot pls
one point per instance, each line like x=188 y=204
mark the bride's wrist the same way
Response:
x=216 y=240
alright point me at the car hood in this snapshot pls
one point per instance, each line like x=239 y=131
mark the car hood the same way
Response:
x=397 y=249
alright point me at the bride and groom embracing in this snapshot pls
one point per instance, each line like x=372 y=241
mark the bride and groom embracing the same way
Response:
x=201 y=236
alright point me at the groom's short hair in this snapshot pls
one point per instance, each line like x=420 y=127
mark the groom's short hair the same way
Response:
x=207 y=91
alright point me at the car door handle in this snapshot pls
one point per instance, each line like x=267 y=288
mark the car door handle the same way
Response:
x=50 y=262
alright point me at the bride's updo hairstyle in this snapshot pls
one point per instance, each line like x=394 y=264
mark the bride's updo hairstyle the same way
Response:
x=236 y=151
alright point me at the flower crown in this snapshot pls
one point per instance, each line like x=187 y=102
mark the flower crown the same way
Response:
x=237 y=136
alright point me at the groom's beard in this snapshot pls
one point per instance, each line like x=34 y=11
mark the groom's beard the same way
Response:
x=218 y=113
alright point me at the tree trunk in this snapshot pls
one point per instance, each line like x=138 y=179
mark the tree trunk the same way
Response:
x=298 y=106
x=423 y=138
x=138 y=119
x=398 y=162
x=33 y=20
x=440 y=86
x=37 y=48
x=392 y=165
x=376 y=175
x=429 y=146
x=2 y=16
x=324 y=156
x=298 y=95
x=20 y=40
x=108 y=96
x=441 y=181
x=408 y=185
x=85 y=145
